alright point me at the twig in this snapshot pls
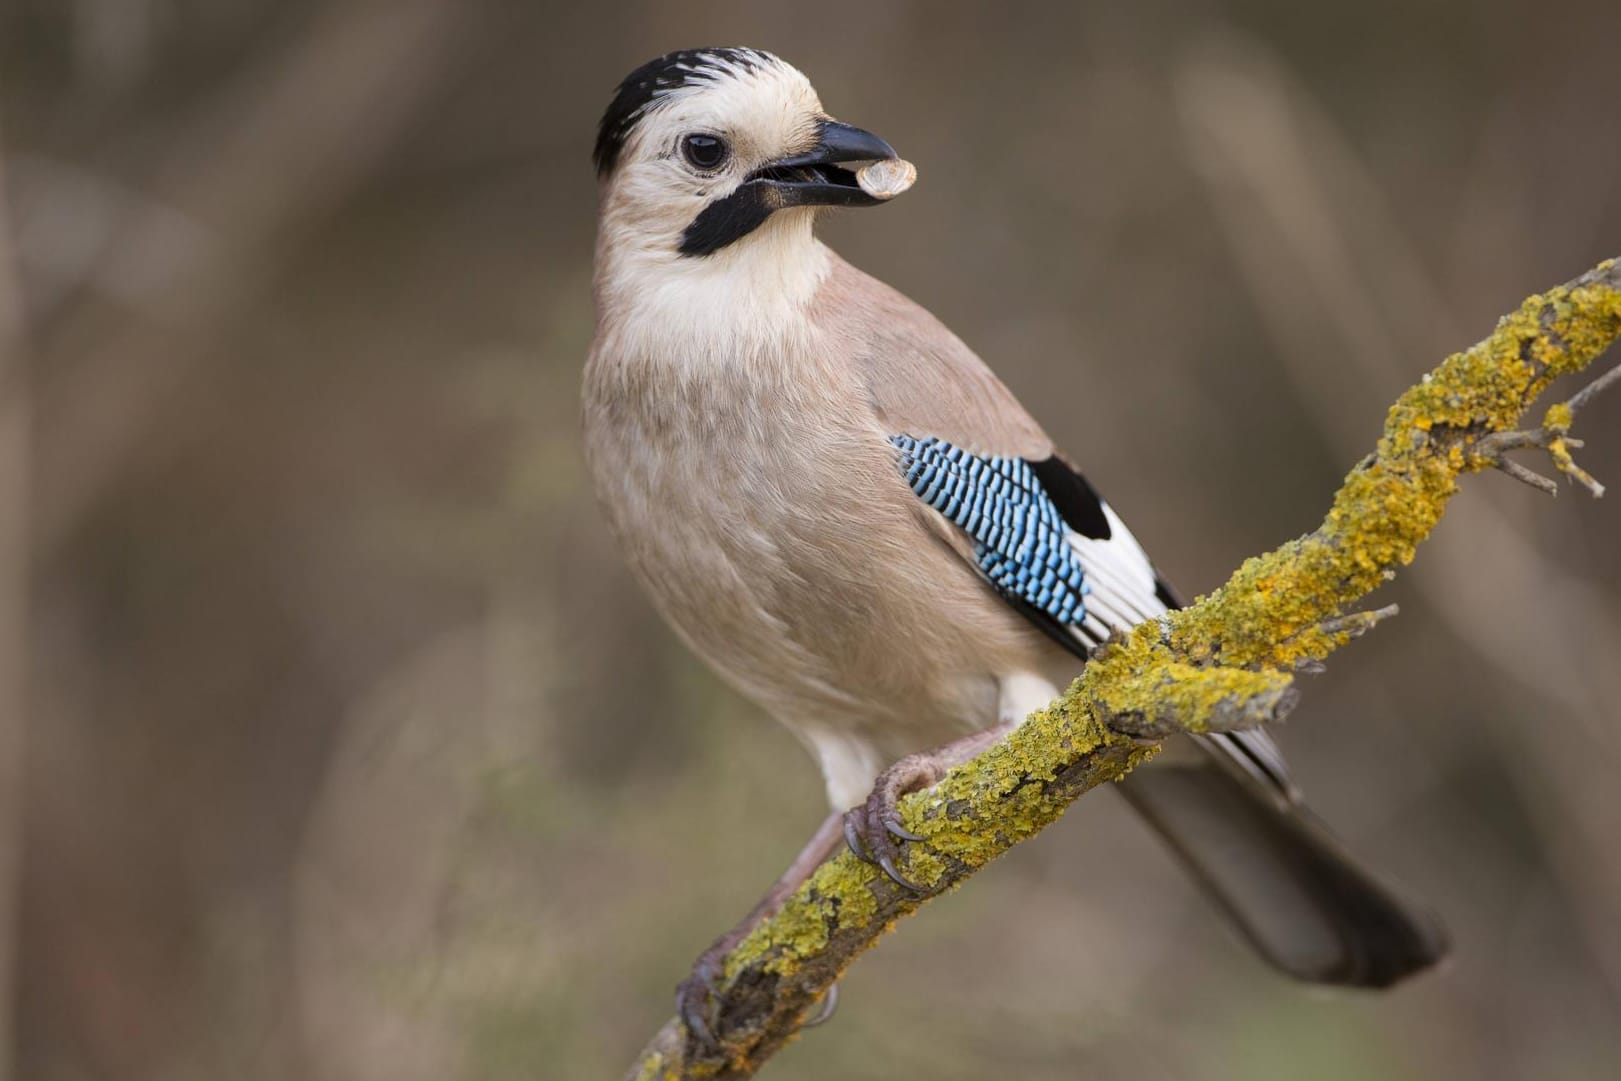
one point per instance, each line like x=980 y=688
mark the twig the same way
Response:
x=1553 y=437
x=1579 y=400
x=1357 y=624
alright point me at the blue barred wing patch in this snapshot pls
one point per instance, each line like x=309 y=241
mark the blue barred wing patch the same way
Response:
x=1020 y=540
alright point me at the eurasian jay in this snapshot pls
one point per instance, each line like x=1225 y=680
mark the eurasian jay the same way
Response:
x=840 y=508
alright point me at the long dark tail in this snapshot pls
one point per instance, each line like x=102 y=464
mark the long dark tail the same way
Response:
x=1286 y=883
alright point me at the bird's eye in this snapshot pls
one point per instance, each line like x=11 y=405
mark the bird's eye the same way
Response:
x=704 y=152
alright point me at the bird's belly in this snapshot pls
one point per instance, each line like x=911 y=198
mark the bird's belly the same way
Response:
x=798 y=565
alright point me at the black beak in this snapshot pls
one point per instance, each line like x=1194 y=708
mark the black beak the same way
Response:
x=813 y=178
x=840 y=142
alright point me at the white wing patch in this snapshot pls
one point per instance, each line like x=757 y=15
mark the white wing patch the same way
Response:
x=1123 y=583
x=1125 y=592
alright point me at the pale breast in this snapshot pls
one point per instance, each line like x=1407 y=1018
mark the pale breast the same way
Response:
x=765 y=513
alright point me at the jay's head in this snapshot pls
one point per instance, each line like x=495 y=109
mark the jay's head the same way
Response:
x=702 y=148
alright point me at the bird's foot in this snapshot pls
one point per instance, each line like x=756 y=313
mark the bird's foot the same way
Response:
x=873 y=831
x=696 y=996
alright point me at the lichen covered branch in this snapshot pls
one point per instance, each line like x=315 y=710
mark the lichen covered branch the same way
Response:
x=1227 y=661
x=1553 y=437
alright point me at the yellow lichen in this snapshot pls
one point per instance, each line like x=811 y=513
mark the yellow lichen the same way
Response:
x=1233 y=650
x=839 y=893
x=652 y=1067
x=1558 y=418
x=1389 y=504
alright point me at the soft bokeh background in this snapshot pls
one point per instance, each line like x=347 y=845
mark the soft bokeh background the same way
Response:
x=351 y=752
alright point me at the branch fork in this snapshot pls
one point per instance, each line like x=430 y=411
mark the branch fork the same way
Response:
x=1553 y=437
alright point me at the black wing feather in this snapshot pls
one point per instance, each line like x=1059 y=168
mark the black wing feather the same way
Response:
x=1075 y=499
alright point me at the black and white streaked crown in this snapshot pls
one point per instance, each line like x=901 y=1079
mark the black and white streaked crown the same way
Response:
x=644 y=87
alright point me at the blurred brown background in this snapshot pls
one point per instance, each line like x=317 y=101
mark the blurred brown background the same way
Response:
x=350 y=751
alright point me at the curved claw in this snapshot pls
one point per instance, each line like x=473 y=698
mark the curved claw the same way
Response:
x=872 y=829
x=830 y=1002
x=887 y=864
x=894 y=827
x=852 y=839
x=856 y=841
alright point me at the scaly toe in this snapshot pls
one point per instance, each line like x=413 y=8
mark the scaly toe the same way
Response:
x=852 y=835
x=695 y=1001
x=871 y=834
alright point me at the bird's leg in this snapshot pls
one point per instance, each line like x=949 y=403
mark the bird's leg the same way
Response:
x=873 y=830
x=694 y=996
